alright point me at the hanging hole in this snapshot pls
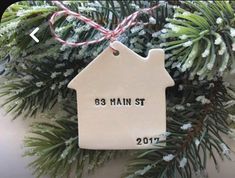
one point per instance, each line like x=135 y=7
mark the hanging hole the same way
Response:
x=116 y=53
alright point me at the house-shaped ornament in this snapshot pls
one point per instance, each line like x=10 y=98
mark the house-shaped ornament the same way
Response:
x=121 y=100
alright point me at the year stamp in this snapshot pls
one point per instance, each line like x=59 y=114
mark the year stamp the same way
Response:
x=147 y=140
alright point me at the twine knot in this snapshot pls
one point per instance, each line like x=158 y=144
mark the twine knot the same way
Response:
x=110 y=35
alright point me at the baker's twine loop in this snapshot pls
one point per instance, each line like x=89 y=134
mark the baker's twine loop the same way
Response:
x=110 y=35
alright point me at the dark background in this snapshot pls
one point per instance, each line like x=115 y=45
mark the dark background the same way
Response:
x=4 y=5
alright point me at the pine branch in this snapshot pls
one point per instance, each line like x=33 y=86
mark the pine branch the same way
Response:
x=17 y=18
x=195 y=125
x=40 y=85
x=200 y=38
x=55 y=146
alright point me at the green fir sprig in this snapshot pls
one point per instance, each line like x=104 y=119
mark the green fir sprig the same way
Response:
x=201 y=38
x=55 y=145
x=195 y=125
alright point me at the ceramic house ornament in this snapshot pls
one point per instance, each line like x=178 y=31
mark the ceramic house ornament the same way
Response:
x=121 y=99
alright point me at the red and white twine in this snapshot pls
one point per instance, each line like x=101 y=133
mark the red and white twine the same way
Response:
x=107 y=34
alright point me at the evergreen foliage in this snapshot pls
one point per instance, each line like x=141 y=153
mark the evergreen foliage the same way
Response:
x=196 y=120
x=201 y=37
x=56 y=147
x=198 y=38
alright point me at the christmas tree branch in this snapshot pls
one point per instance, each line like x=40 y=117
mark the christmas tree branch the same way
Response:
x=200 y=37
x=192 y=129
x=40 y=86
x=55 y=146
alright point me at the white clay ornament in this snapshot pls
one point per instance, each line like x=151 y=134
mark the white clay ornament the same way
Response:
x=121 y=100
